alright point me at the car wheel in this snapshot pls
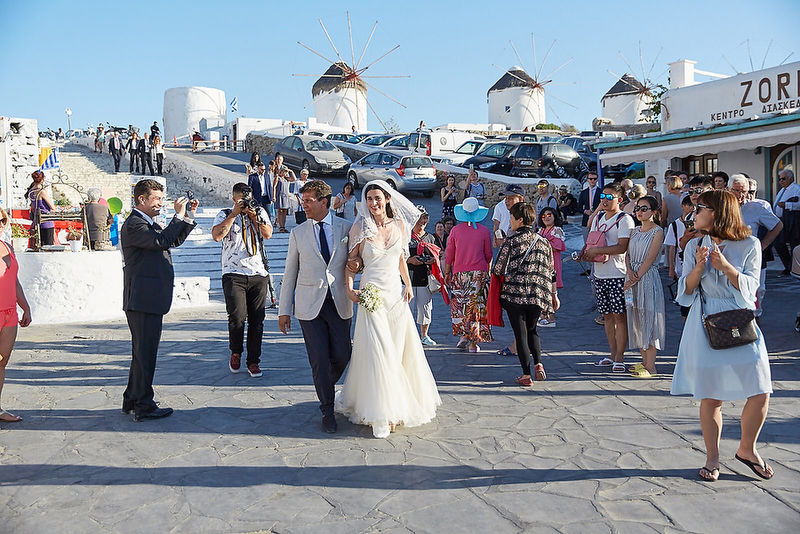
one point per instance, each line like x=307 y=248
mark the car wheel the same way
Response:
x=392 y=185
x=548 y=175
x=582 y=177
x=353 y=179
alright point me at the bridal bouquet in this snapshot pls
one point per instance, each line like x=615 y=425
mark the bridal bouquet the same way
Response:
x=370 y=297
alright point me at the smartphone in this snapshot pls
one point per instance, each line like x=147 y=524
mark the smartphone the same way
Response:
x=472 y=166
x=190 y=195
x=499 y=234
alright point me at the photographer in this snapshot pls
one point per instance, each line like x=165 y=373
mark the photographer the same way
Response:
x=419 y=261
x=245 y=274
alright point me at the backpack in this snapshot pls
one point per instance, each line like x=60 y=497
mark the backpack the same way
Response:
x=597 y=238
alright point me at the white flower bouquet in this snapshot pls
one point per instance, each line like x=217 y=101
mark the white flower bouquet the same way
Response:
x=370 y=297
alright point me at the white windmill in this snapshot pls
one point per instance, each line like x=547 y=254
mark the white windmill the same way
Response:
x=340 y=94
x=630 y=100
x=518 y=99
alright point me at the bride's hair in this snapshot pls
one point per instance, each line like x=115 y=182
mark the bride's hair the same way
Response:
x=373 y=187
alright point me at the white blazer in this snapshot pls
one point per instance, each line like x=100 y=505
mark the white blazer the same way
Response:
x=307 y=278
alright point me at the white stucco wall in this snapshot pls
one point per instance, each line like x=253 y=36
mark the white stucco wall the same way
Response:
x=527 y=107
x=625 y=109
x=353 y=111
x=185 y=106
x=744 y=161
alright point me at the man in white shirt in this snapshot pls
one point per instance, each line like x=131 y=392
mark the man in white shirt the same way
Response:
x=501 y=217
x=787 y=208
x=245 y=275
x=609 y=275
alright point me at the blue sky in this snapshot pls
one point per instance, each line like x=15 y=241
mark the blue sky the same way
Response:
x=112 y=61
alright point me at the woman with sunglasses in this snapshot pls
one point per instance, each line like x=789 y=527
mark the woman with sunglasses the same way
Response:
x=650 y=184
x=11 y=294
x=720 y=273
x=646 y=323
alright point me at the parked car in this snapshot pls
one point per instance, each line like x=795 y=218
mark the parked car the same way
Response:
x=493 y=157
x=533 y=137
x=404 y=172
x=379 y=139
x=464 y=152
x=400 y=143
x=317 y=155
x=589 y=156
x=356 y=139
x=338 y=137
x=438 y=143
x=546 y=160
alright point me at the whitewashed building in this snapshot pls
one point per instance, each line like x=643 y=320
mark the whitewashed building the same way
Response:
x=516 y=100
x=627 y=102
x=340 y=99
x=186 y=107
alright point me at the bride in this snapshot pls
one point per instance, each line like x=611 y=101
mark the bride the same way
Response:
x=388 y=380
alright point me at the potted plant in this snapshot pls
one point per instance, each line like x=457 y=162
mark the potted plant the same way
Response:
x=19 y=237
x=75 y=238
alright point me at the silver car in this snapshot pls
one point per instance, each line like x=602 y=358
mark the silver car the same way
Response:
x=404 y=172
x=310 y=152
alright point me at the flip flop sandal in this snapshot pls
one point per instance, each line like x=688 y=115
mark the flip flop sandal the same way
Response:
x=14 y=418
x=505 y=352
x=753 y=465
x=605 y=362
x=618 y=367
x=643 y=373
x=635 y=368
x=709 y=474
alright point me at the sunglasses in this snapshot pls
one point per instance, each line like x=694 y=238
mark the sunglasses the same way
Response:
x=697 y=190
x=701 y=207
x=542 y=187
x=547 y=215
x=606 y=196
x=753 y=192
x=641 y=208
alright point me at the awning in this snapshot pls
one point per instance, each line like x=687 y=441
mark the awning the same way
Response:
x=696 y=143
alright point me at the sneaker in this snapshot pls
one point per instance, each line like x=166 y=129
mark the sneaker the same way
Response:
x=235 y=363
x=428 y=341
x=544 y=323
x=254 y=370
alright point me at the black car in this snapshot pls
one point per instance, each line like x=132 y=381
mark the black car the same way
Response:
x=546 y=160
x=589 y=157
x=493 y=157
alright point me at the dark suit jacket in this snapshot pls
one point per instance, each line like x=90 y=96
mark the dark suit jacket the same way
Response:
x=148 y=274
x=255 y=184
x=111 y=148
x=142 y=147
x=131 y=147
x=583 y=203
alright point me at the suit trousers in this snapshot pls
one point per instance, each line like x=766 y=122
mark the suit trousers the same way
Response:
x=159 y=163
x=328 y=345
x=245 y=298
x=784 y=252
x=147 y=161
x=117 y=157
x=523 y=320
x=145 y=336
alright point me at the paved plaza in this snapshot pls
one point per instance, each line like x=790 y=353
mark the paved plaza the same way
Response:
x=583 y=452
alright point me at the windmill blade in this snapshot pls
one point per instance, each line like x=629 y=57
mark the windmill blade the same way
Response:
x=320 y=75
x=529 y=92
x=384 y=94
x=533 y=45
x=315 y=52
x=628 y=63
x=554 y=113
x=380 y=58
x=735 y=70
x=398 y=76
x=615 y=75
x=521 y=64
x=385 y=129
x=787 y=57
x=350 y=31
x=366 y=45
x=765 y=53
x=641 y=63
x=310 y=103
x=510 y=73
x=567 y=62
x=330 y=40
x=341 y=101
x=563 y=101
x=649 y=72
x=749 y=55
x=545 y=58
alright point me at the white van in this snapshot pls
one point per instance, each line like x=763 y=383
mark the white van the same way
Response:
x=438 y=142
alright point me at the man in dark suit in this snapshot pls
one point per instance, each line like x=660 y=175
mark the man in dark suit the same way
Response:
x=145 y=154
x=147 y=290
x=261 y=184
x=587 y=206
x=115 y=149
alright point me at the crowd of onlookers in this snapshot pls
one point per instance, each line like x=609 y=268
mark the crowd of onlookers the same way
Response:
x=142 y=151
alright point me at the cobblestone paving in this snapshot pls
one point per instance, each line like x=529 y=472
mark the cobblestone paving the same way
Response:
x=582 y=452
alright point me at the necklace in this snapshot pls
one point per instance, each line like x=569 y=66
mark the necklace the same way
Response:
x=384 y=223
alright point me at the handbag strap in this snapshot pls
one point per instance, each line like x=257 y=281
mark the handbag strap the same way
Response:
x=528 y=251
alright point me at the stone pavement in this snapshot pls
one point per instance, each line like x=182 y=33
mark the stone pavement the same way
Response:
x=584 y=451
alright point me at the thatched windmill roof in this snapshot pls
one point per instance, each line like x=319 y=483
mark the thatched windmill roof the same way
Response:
x=514 y=77
x=338 y=76
x=625 y=86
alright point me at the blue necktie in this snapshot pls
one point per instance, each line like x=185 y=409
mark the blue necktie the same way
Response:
x=323 y=243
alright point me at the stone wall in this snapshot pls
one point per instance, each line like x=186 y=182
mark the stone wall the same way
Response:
x=263 y=144
x=19 y=141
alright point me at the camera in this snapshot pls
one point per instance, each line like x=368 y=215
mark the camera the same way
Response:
x=189 y=195
x=249 y=201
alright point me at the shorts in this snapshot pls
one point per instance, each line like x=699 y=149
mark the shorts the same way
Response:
x=424 y=302
x=610 y=296
x=9 y=317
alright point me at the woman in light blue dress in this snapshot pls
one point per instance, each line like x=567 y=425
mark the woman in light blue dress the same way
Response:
x=725 y=264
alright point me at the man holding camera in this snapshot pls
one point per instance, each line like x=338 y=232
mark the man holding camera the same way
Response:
x=245 y=274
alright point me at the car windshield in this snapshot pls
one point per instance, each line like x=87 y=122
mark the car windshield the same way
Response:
x=496 y=150
x=417 y=162
x=377 y=140
x=467 y=148
x=400 y=141
x=318 y=145
x=529 y=151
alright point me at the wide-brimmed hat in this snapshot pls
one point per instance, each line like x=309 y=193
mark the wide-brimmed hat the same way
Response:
x=470 y=211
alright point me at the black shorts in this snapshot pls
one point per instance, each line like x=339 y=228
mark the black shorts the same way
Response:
x=610 y=296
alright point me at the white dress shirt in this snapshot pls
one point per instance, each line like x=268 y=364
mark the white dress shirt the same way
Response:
x=790 y=191
x=328 y=227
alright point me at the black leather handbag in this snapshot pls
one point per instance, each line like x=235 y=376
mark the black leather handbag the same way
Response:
x=730 y=328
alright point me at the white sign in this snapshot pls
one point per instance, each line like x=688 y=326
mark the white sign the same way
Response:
x=733 y=99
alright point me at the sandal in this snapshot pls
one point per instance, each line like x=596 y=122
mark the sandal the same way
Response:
x=708 y=474
x=605 y=362
x=635 y=368
x=538 y=373
x=506 y=352
x=618 y=367
x=643 y=373
x=753 y=465
x=462 y=343
x=524 y=381
x=6 y=417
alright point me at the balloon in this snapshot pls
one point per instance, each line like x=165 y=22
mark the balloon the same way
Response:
x=114 y=205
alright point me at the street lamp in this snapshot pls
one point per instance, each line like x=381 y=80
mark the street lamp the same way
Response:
x=69 y=114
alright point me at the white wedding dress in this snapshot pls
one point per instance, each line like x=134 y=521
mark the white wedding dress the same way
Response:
x=388 y=379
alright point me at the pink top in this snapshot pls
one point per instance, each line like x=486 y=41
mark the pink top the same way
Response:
x=8 y=280
x=554 y=236
x=468 y=248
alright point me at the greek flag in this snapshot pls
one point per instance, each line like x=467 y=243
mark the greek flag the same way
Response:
x=234 y=105
x=48 y=159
